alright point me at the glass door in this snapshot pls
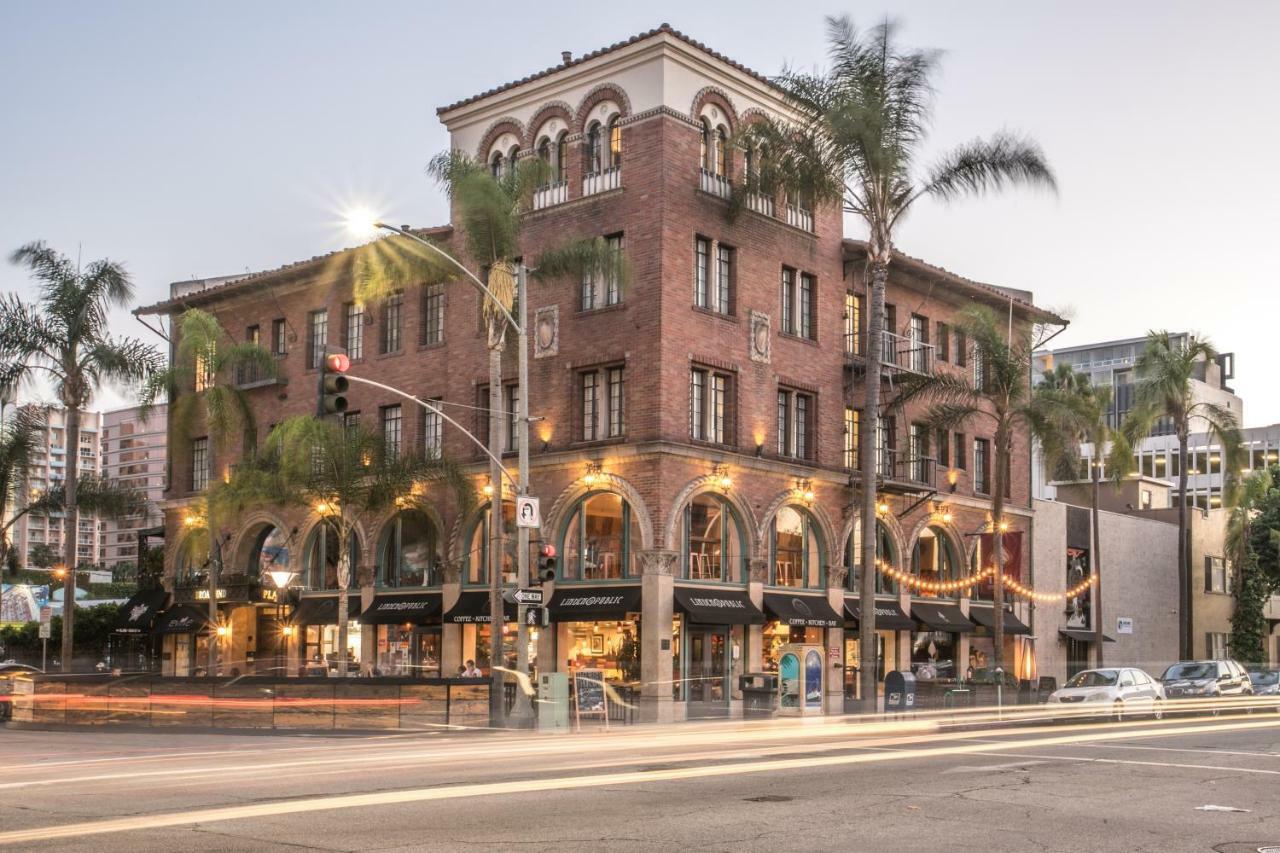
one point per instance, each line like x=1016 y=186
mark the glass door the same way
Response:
x=708 y=672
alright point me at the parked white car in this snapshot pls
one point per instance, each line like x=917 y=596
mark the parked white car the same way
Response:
x=1110 y=692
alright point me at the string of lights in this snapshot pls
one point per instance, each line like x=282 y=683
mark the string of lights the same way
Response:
x=1027 y=592
x=921 y=585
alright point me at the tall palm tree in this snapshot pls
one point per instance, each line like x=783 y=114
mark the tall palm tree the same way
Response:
x=856 y=139
x=998 y=395
x=488 y=210
x=62 y=337
x=19 y=438
x=1070 y=411
x=201 y=385
x=1166 y=372
x=342 y=474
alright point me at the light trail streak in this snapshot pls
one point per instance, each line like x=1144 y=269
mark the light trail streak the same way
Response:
x=526 y=786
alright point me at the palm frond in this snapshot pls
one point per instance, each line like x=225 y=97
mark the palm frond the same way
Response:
x=396 y=263
x=986 y=165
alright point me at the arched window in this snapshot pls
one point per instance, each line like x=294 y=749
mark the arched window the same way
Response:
x=477 y=555
x=320 y=558
x=597 y=539
x=722 y=151
x=270 y=552
x=594 y=151
x=513 y=157
x=615 y=143
x=884 y=551
x=933 y=561
x=713 y=541
x=560 y=166
x=193 y=558
x=544 y=154
x=410 y=551
x=708 y=147
x=796 y=552
x=496 y=167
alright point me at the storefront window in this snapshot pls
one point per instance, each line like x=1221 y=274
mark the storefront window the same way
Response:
x=408 y=652
x=797 y=557
x=933 y=561
x=777 y=634
x=613 y=647
x=597 y=539
x=320 y=649
x=884 y=551
x=320 y=567
x=713 y=540
x=410 y=552
x=933 y=655
x=477 y=647
x=1079 y=608
x=478 y=552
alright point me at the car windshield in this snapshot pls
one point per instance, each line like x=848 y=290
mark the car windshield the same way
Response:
x=1272 y=677
x=1093 y=678
x=1191 y=670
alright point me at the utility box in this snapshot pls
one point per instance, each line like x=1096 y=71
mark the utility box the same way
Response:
x=801 y=679
x=553 y=702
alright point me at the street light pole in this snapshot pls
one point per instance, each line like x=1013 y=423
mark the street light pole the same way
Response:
x=522 y=711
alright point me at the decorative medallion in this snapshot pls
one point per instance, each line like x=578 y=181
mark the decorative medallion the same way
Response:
x=759 y=337
x=546 y=331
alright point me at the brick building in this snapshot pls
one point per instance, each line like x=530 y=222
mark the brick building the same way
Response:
x=693 y=454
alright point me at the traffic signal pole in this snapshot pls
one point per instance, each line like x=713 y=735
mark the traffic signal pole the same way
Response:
x=522 y=711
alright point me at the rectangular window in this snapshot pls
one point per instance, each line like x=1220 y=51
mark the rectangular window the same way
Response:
x=601 y=291
x=1215 y=646
x=702 y=272
x=918 y=334
x=982 y=466
x=353 y=330
x=853 y=336
x=710 y=406
x=432 y=331
x=918 y=450
x=962 y=349
x=590 y=400
x=615 y=423
x=944 y=342
x=886 y=444
x=317 y=338
x=351 y=422
x=511 y=402
x=805 y=310
x=199 y=464
x=795 y=424
x=391 y=429
x=979 y=369
x=393 y=323
x=1215 y=574
x=432 y=430
x=722 y=303
x=852 y=423
x=603 y=403
x=788 y=301
x=279 y=338
x=944 y=448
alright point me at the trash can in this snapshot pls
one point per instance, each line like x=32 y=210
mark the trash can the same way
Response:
x=900 y=691
x=759 y=694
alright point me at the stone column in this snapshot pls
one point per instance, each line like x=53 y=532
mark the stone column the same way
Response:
x=835 y=641
x=450 y=633
x=656 y=602
x=757 y=576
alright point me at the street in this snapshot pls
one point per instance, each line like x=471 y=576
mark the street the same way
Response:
x=1183 y=783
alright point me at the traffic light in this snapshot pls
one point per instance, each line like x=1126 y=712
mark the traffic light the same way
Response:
x=332 y=397
x=547 y=563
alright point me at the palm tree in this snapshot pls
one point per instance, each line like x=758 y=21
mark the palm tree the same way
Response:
x=62 y=337
x=1002 y=399
x=201 y=384
x=488 y=209
x=1166 y=372
x=1248 y=623
x=19 y=438
x=856 y=139
x=341 y=473
x=1070 y=411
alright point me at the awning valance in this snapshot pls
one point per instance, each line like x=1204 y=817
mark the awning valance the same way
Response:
x=1082 y=635
x=808 y=610
x=889 y=615
x=138 y=614
x=718 y=606
x=421 y=608
x=473 y=606
x=985 y=616
x=941 y=617
x=591 y=603
x=183 y=619
x=323 y=610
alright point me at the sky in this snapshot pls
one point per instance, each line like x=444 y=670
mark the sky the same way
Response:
x=195 y=140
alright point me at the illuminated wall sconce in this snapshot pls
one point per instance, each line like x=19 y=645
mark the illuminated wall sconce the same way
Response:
x=593 y=476
x=1004 y=527
x=224 y=631
x=487 y=489
x=286 y=631
x=804 y=491
x=953 y=477
x=325 y=508
x=759 y=449
x=882 y=508
x=720 y=476
x=544 y=435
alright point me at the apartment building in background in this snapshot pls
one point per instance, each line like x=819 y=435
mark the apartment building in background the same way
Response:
x=133 y=456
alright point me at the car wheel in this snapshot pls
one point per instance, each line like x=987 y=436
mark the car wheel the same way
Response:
x=1157 y=710
x=1117 y=711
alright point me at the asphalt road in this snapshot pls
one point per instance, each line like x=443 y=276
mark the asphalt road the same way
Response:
x=795 y=785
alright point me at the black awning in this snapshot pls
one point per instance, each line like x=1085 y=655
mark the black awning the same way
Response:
x=421 y=608
x=808 y=610
x=138 y=615
x=889 y=615
x=985 y=616
x=591 y=603
x=473 y=606
x=718 y=606
x=183 y=619
x=1083 y=636
x=323 y=610
x=941 y=617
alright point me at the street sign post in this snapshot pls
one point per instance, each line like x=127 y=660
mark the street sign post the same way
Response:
x=528 y=512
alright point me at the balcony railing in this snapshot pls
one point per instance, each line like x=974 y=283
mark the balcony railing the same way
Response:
x=896 y=352
x=598 y=182
x=552 y=194
x=761 y=204
x=710 y=182
x=901 y=466
x=799 y=217
x=253 y=375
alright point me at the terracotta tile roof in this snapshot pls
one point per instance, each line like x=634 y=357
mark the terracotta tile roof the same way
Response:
x=1003 y=295
x=168 y=306
x=661 y=29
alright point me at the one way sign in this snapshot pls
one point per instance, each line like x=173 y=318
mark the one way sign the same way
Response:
x=527 y=596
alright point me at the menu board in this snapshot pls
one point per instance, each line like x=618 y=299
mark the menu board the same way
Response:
x=589 y=698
